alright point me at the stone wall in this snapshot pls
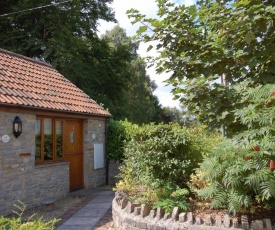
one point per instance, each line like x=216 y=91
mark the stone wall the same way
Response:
x=20 y=178
x=131 y=216
x=33 y=186
x=93 y=177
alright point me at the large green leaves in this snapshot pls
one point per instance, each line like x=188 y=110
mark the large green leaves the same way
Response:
x=239 y=178
x=205 y=41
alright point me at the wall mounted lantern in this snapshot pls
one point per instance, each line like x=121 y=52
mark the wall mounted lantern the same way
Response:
x=17 y=126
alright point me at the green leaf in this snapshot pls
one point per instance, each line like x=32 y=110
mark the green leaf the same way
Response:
x=249 y=37
x=149 y=48
x=142 y=29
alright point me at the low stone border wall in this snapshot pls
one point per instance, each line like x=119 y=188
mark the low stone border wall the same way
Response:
x=131 y=216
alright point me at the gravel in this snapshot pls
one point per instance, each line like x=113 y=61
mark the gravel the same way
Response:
x=61 y=207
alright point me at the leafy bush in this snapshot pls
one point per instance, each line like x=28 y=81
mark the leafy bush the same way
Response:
x=159 y=160
x=119 y=133
x=173 y=198
x=15 y=223
x=160 y=153
x=241 y=170
x=115 y=138
x=197 y=182
x=239 y=178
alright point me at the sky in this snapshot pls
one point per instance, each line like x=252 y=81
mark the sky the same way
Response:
x=149 y=8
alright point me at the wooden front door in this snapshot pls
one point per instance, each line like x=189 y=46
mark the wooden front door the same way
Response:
x=73 y=151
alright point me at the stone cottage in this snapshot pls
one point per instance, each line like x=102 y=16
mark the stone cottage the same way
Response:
x=52 y=135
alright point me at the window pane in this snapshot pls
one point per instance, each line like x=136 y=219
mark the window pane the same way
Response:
x=48 y=139
x=59 y=143
x=37 y=140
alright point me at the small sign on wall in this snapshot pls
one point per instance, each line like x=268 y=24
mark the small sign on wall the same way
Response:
x=6 y=138
x=98 y=156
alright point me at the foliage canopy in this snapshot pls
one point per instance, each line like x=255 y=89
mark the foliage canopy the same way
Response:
x=200 y=43
x=108 y=69
x=241 y=170
x=231 y=40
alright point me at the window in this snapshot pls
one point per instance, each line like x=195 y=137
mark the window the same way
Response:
x=48 y=139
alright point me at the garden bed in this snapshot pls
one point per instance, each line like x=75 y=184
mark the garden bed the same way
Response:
x=128 y=215
x=259 y=213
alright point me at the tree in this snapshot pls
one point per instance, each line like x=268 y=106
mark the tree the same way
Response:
x=55 y=33
x=200 y=43
x=172 y=114
x=64 y=34
x=232 y=39
x=142 y=104
x=136 y=102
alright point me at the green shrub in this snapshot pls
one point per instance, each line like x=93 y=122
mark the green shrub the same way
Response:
x=172 y=197
x=161 y=153
x=241 y=170
x=115 y=138
x=119 y=133
x=239 y=178
x=16 y=223
x=159 y=160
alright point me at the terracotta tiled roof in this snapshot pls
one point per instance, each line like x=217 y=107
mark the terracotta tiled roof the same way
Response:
x=27 y=82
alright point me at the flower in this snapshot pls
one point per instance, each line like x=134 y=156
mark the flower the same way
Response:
x=256 y=148
x=271 y=164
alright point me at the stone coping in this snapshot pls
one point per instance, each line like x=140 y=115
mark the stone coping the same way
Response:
x=132 y=216
x=51 y=164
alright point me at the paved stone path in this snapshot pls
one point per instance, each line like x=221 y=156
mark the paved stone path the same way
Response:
x=88 y=217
